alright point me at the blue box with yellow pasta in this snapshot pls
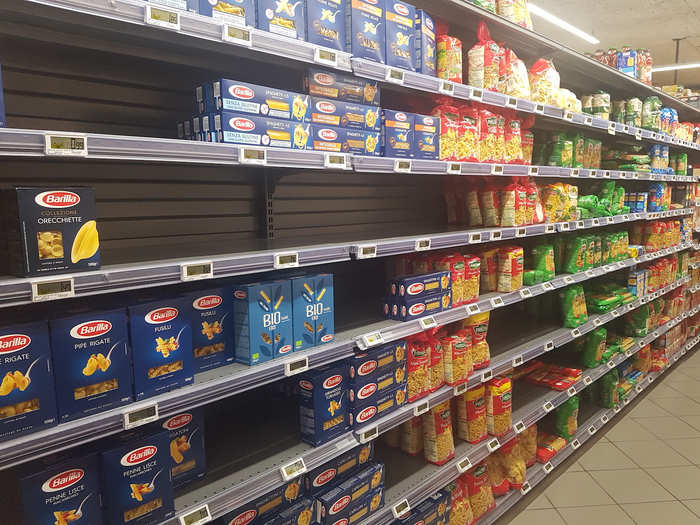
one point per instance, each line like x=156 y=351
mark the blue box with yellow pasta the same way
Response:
x=345 y=114
x=366 y=29
x=400 y=35
x=282 y=17
x=236 y=128
x=161 y=344
x=345 y=140
x=323 y=403
x=211 y=319
x=313 y=310
x=339 y=468
x=262 y=314
x=397 y=133
x=325 y=23
x=377 y=404
x=331 y=504
x=92 y=360
x=261 y=101
x=355 y=511
x=265 y=506
x=426 y=47
x=300 y=513
x=186 y=445
x=426 y=137
x=239 y=13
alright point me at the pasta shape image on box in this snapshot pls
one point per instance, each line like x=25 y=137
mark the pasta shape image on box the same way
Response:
x=86 y=242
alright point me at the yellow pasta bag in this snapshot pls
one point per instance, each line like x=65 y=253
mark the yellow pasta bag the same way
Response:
x=484 y=61
x=544 y=82
x=412 y=436
x=438 y=442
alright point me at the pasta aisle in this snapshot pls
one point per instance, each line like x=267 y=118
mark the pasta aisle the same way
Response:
x=339 y=262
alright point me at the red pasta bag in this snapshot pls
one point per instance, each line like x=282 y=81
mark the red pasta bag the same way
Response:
x=451 y=130
x=470 y=133
x=417 y=360
x=478 y=486
x=485 y=61
x=491 y=140
x=527 y=138
x=513 y=150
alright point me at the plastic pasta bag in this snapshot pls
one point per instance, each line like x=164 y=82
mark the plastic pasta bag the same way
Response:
x=460 y=505
x=438 y=443
x=436 y=369
x=513 y=144
x=478 y=486
x=528 y=445
x=528 y=138
x=471 y=415
x=412 y=436
x=544 y=81
x=456 y=358
x=573 y=305
x=543 y=260
x=473 y=208
x=498 y=406
x=489 y=5
x=512 y=463
x=484 y=61
x=468 y=148
x=575 y=256
x=608 y=395
x=417 y=359
x=517 y=83
x=566 y=418
x=522 y=14
x=594 y=347
x=497 y=475
x=489 y=201
x=449 y=58
x=548 y=445
x=510 y=268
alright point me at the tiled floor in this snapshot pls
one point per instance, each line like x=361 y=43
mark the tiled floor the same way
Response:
x=644 y=471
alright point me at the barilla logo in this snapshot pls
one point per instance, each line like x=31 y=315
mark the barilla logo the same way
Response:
x=90 y=329
x=242 y=124
x=306 y=385
x=326 y=338
x=415 y=288
x=207 y=302
x=13 y=342
x=367 y=391
x=161 y=315
x=400 y=116
x=327 y=134
x=241 y=92
x=417 y=309
x=428 y=121
x=138 y=455
x=332 y=381
x=342 y=521
x=367 y=368
x=244 y=517
x=178 y=421
x=57 y=199
x=339 y=505
x=366 y=414
x=240 y=294
x=324 y=477
x=401 y=9
x=285 y=349
x=325 y=107
x=63 y=480
x=323 y=78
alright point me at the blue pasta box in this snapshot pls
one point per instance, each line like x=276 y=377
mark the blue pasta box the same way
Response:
x=282 y=17
x=345 y=140
x=186 y=446
x=412 y=307
x=421 y=284
x=426 y=47
x=92 y=363
x=439 y=501
x=397 y=133
x=187 y=129
x=267 y=505
x=161 y=344
x=136 y=468
x=426 y=137
x=240 y=13
x=339 y=468
x=364 y=387
x=323 y=404
x=312 y=310
x=325 y=23
x=62 y=492
x=2 y=103
x=356 y=511
x=211 y=319
x=400 y=35
x=376 y=405
x=376 y=360
x=341 y=86
x=263 y=321
x=197 y=128
x=333 y=502
x=204 y=97
x=345 y=114
x=235 y=128
x=27 y=401
x=262 y=101
x=366 y=29
x=299 y=513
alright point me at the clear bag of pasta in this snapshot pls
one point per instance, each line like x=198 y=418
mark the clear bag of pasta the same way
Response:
x=491 y=137
x=450 y=130
x=512 y=463
x=478 y=486
x=438 y=442
x=468 y=149
x=544 y=81
x=513 y=140
x=484 y=61
x=517 y=82
x=456 y=357
x=460 y=507
x=411 y=436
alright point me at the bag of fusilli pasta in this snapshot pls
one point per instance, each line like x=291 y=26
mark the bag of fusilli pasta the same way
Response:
x=484 y=61
x=438 y=442
x=513 y=143
x=417 y=360
x=468 y=148
x=478 y=486
x=460 y=508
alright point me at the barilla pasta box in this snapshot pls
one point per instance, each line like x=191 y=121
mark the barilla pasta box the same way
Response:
x=422 y=284
x=376 y=360
x=240 y=13
x=325 y=23
x=300 y=513
x=186 y=446
x=376 y=405
x=265 y=506
x=334 y=502
x=366 y=29
x=345 y=140
x=366 y=386
x=339 y=468
x=197 y=128
x=426 y=47
x=409 y=308
x=204 y=97
x=397 y=133
x=51 y=230
x=161 y=344
x=313 y=310
x=135 y=470
x=345 y=114
x=211 y=319
x=426 y=137
x=263 y=326
x=323 y=403
x=63 y=492
x=341 y=86
x=251 y=99
x=235 y=128
x=282 y=17
x=400 y=34
x=208 y=131
x=355 y=511
x=27 y=401
x=92 y=363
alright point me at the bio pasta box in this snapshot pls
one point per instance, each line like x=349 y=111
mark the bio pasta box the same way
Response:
x=400 y=35
x=325 y=23
x=376 y=405
x=235 y=128
x=186 y=446
x=345 y=114
x=50 y=230
x=356 y=511
x=161 y=343
x=419 y=285
x=333 y=502
x=366 y=29
x=376 y=361
x=312 y=296
x=262 y=314
x=397 y=133
x=239 y=13
x=323 y=403
x=211 y=319
x=426 y=137
x=282 y=17
x=345 y=140
x=341 y=86
x=63 y=492
x=92 y=362
x=366 y=386
x=426 y=47
x=339 y=468
x=261 y=101
x=136 y=470
x=300 y=513
x=264 y=506
x=409 y=308
x=27 y=399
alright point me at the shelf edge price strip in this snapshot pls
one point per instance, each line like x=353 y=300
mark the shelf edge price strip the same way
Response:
x=137 y=416
x=161 y=17
x=296 y=366
x=199 y=516
x=196 y=271
x=66 y=145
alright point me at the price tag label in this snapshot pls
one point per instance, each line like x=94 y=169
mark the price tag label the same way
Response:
x=401 y=509
x=592 y=430
x=395 y=76
x=604 y=419
x=196 y=271
x=422 y=245
x=549 y=346
x=421 y=408
x=533 y=171
x=574 y=172
x=597 y=321
x=293 y=469
x=621 y=264
x=366 y=251
x=654 y=136
x=493 y=445
x=296 y=366
x=539 y=108
x=606 y=174
x=284 y=260
x=52 y=289
x=521 y=232
x=372 y=339
x=199 y=516
x=162 y=17
x=476 y=237
x=587 y=380
x=593 y=173
x=571 y=391
x=651 y=379
x=615 y=313
x=464 y=465
x=580 y=224
x=575 y=333
x=638 y=388
x=497 y=302
x=638 y=134
x=473 y=309
x=141 y=415
x=459 y=389
x=519 y=427
x=252 y=156
x=511 y=102
x=369 y=435
x=590 y=273
x=636 y=216
x=547 y=467
x=66 y=145
x=427 y=322
x=626 y=401
x=486 y=376
x=623 y=174
x=241 y=36
x=628 y=353
x=548 y=406
x=564 y=226
x=517 y=361
x=402 y=166
x=327 y=57
x=568 y=115
x=575 y=444
x=454 y=168
x=625 y=128
x=337 y=161
x=568 y=279
x=525 y=293
x=596 y=222
x=525 y=488
x=617 y=408
x=588 y=121
x=611 y=364
x=625 y=218
x=548 y=286
x=446 y=88
x=611 y=128
x=496 y=169
x=477 y=94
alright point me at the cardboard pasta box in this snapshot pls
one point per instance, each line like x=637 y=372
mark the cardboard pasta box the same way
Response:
x=345 y=114
x=325 y=23
x=282 y=17
x=238 y=13
x=259 y=101
x=366 y=29
x=312 y=297
x=265 y=506
x=323 y=403
x=400 y=34
x=211 y=319
x=333 y=471
x=186 y=446
x=237 y=128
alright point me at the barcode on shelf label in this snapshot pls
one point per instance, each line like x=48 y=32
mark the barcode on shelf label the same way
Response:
x=549 y=345
x=525 y=293
x=571 y=391
x=464 y=465
x=548 y=286
x=517 y=361
x=402 y=166
x=421 y=408
x=592 y=430
x=525 y=488
x=547 y=467
x=575 y=333
x=459 y=389
x=369 y=435
x=196 y=271
x=486 y=376
x=548 y=406
x=496 y=169
x=161 y=17
x=373 y=339
x=366 y=251
x=401 y=509
x=427 y=322
x=587 y=380
x=454 y=168
x=284 y=260
x=497 y=302
x=296 y=366
x=575 y=444
x=422 y=245
x=293 y=469
x=199 y=516
x=135 y=417
x=493 y=445
x=66 y=145
x=395 y=76
x=519 y=427
x=326 y=57
x=476 y=237
x=252 y=156
x=237 y=35
x=52 y=289
x=446 y=88
x=337 y=161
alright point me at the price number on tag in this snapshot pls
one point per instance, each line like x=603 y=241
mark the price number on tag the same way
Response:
x=525 y=488
x=519 y=427
x=252 y=156
x=135 y=417
x=337 y=161
x=511 y=102
x=521 y=232
x=548 y=286
x=575 y=444
x=476 y=237
x=401 y=509
x=568 y=115
x=197 y=271
x=539 y=108
x=473 y=309
x=160 y=17
x=571 y=391
x=548 y=346
x=495 y=235
x=533 y=170
x=286 y=260
x=66 y=145
x=50 y=290
x=241 y=36
x=575 y=333
x=296 y=366
x=548 y=406
x=477 y=94
x=497 y=302
x=547 y=467
x=592 y=430
x=293 y=469
x=517 y=361
x=588 y=121
x=496 y=169
x=369 y=435
x=198 y=516
x=575 y=172
x=611 y=364
x=486 y=376
x=525 y=293
x=326 y=57
x=587 y=380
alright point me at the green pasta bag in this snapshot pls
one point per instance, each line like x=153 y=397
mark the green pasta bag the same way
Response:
x=579 y=148
x=575 y=258
x=597 y=253
x=588 y=201
x=608 y=395
x=590 y=252
x=607 y=191
x=543 y=260
x=638 y=321
x=573 y=306
x=618 y=200
x=566 y=418
x=559 y=252
x=594 y=348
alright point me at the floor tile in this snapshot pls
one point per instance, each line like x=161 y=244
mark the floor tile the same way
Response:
x=694 y=505
x=682 y=482
x=575 y=467
x=574 y=489
x=668 y=427
x=667 y=512
x=693 y=421
x=689 y=448
x=661 y=391
x=605 y=514
x=652 y=453
x=691 y=372
x=630 y=486
x=647 y=408
x=605 y=456
x=540 y=502
x=629 y=430
x=679 y=406
x=539 y=517
x=685 y=386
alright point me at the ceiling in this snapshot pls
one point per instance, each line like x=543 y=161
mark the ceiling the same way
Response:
x=650 y=24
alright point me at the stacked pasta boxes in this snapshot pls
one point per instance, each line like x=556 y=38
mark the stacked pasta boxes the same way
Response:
x=284 y=505
x=431 y=511
x=414 y=296
x=409 y=135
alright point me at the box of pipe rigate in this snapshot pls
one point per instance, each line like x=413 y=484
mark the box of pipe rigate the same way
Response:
x=161 y=345
x=323 y=403
x=235 y=128
x=239 y=13
x=325 y=23
x=345 y=114
x=262 y=315
x=61 y=493
x=426 y=48
x=334 y=501
x=341 y=86
x=366 y=29
x=345 y=140
x=339 y=468
x=261 y=101
x=397 y=133
x=211 y=319
x=135 y=470
x=27 y=389
x=400 y=35
x=186 y=446
x=50 y=230
x=282 y=17
x=263 y=506
x=92 y=362
x=313 y=310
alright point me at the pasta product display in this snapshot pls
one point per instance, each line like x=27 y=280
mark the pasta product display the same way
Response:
x=436 y=368
x=457 y=358
x=449 y=58
x=544 y=82
x=573 y=305
x=528 y=445
x=485 y=61
x=460 y=511
x=510 y=268
x=417 y=377
x=566 y=418
x=438 y=442
x=471 y=415
x=478 y=325
x=478 y=487
x=548 y=445
x=497 y=475
x=498 y=406
x=514 y=468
